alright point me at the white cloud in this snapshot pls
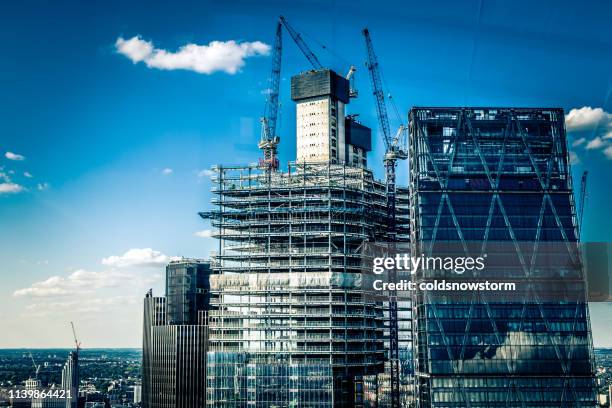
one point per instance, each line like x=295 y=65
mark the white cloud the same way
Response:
x=137 y=257
x=27 y=174
x=167 y=171
x=78 y=282
x=5 y=177
x=86 y=305
x=579 y=142
x=207 y=233
x=135 y=48
x=205 y=173
x=573 y=157
x=43 y=186
x=14 y=156
x=608 y=152
x=595 y=143
x=8 y=188
x=587 y=118
x=226 y=56
x=608 y=135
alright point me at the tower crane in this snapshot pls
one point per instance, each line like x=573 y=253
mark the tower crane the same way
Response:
x=36 y=367
x=314 y=61
x=395 y=149
x=77 y=343
x=269 y=140
x=583 y=197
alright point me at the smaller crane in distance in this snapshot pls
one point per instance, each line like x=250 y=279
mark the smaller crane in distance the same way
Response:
x=36 y=367
x=77 y=343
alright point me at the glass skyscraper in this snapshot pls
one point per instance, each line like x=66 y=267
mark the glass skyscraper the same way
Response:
x=498 y=176
x=187 y=290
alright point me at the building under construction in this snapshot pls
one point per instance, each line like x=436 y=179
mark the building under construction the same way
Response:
x=292 y=325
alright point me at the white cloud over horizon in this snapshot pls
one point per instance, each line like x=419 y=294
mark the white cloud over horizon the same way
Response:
x=141 y=257
x=167 y=171
x=217 y=56
x=80 y=281
x=84 y=306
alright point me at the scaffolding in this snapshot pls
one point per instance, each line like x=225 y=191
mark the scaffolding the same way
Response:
x=288 y=284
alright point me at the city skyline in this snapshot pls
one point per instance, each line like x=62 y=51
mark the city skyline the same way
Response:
x=106 y=149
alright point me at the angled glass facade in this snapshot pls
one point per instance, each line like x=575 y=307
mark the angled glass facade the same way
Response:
x=496 y=175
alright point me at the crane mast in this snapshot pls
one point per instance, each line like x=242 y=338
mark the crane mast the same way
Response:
x=269 y=140
x=394 y=149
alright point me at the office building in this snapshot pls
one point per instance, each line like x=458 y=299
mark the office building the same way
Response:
x=498 y=176
x=175 y=339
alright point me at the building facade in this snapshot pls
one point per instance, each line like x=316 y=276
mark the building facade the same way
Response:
x=293 y=326
x=71 y=379
x=497 y=176
x=187 y=290
x=175 y=338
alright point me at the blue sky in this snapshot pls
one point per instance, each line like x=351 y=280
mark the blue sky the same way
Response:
x=116 y=143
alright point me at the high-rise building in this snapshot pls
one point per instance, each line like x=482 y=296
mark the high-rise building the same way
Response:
x=498 y=175
x=293 y=326
x=175 y=338
x=71 y=379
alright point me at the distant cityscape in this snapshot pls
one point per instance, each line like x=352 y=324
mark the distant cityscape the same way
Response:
x=111 y=378
x=108 y=377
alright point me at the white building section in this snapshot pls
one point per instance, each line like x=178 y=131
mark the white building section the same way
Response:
x=321 y=97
